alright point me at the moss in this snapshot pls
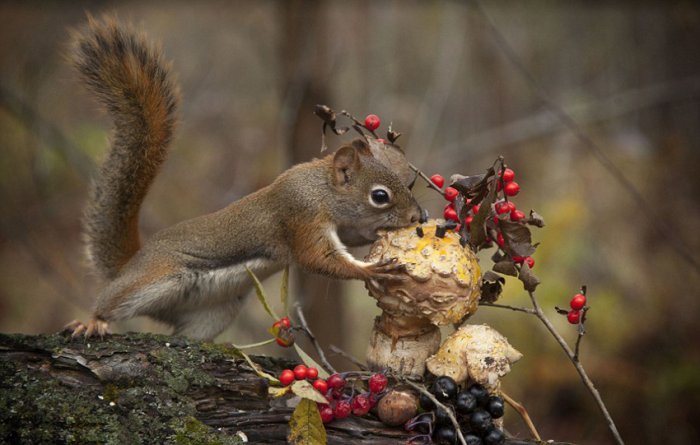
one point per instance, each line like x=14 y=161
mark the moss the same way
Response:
x=190 y=431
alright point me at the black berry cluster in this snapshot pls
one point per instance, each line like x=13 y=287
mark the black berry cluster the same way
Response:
x=473 y=407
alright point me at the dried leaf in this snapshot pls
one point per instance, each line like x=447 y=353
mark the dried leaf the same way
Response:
x=491 y=286
x=278 y=391
x=518 y=241
x=303 y=389
x=530 y=281
x=308 y=361
x=306 y=426
x=506 y=267
x=477 y=231
x=260 y=292
x=535 y=219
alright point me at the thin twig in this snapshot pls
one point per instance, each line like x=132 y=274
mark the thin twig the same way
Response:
x=321 y=355
x=581 y=332
x=349 y=357
x=527 y=310
x=431 y=184
x=523 y=413
x=437 y=403
x=579 y=368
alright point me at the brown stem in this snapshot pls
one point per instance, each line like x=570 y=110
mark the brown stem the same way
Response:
x=523 y=413
x=527 y=310
x=431 y=184
x=307 y=331
x=579 y=368
x=349 y=357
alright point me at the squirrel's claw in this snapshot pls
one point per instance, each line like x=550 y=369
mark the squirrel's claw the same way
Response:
x=94 y=328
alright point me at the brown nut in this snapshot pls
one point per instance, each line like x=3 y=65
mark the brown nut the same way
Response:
x=397 y=407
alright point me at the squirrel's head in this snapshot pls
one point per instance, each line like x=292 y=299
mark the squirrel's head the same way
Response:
x=370 y=196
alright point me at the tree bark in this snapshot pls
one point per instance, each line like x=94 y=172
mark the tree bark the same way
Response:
x=149 y=389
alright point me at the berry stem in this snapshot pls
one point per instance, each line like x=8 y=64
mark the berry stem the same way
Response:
x=523 y=414
x=579 y=367
x=305 y=328
x=437 y=403
x=431 y=184
x=581 y=332
x=348 y=357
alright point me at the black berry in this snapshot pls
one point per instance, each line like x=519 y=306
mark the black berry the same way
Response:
x=495 y=407
x=480 y=420
x=494 y=436
x=466 y=402
x=480 y=393
x=444 y=388
x=441 y=417
x=471 y=439
x=425 y=402
x=445 y=435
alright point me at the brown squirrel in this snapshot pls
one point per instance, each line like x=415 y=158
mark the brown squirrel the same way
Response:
x=193 y=275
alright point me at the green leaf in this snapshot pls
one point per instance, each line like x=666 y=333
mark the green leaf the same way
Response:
x=260 y=292
x=304 y=389
x=308 y=361
x=284 y=291
x=306 y=426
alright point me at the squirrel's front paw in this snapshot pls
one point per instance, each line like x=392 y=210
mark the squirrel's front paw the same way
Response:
x=94 y=328
x=386 y=270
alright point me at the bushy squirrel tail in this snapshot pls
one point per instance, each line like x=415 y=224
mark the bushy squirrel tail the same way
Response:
x=129 y=77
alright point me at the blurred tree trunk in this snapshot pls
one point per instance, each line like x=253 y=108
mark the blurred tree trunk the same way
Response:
x=303 y=54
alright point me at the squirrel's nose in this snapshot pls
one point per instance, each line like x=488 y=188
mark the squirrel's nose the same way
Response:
x=416 y=214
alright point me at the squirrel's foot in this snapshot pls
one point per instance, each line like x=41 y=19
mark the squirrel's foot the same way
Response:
x=385 y=270
x=95 y=327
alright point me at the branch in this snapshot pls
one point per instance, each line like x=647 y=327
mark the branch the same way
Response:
x=321 y=355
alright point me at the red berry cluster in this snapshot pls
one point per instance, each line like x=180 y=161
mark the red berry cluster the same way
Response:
x=343 y=401
x=301 y=372
x=503 y=209
x=281 y=329
x=577 y=303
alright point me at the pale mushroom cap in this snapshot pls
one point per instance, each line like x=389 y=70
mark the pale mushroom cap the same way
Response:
x=444 y=277
x=478 y=352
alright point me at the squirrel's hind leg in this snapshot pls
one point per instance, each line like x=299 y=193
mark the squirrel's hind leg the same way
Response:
x=207 y=322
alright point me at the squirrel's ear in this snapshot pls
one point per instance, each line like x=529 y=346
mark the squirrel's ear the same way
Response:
x=362 y=147
x=345 y=164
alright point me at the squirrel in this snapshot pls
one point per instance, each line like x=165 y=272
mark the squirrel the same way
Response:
x=193 y=275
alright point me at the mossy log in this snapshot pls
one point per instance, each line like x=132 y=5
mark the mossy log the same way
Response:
x=148 y=389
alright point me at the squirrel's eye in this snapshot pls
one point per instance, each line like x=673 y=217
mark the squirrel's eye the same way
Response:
x=379 y=197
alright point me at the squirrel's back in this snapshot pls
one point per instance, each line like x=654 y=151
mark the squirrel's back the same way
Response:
x=129 y=77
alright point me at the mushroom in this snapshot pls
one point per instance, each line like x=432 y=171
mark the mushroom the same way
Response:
x=441 y=286
x=477 y=352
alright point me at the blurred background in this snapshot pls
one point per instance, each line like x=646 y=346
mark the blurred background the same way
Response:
x=628 y=73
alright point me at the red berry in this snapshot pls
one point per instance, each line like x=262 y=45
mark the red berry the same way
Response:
x=530 y=261
x=438 y=180
x=284 y=322
x=336 y=381
x=511 y=205
x=321 y=386
x=450 y=213
x=578 y=302
x=475 y=209
x=342 y=409
x=360 y=405
x=283 y=342
x=326 y=412
x=381 y=140
x=508 y=175
x=372 y=122
x=286 y=377
x=373 y=399
x=512 y=188
x=377 y=383
x=458 y=228
x=516 y=215
x=573 y=316
x=518 y=259
x=312 y=373
x=451 y=193
x=300 y=372
x=468 y=221
x=502 y=207
x=500 y=240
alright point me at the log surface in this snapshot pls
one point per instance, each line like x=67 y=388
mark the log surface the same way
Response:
x=149 y=389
